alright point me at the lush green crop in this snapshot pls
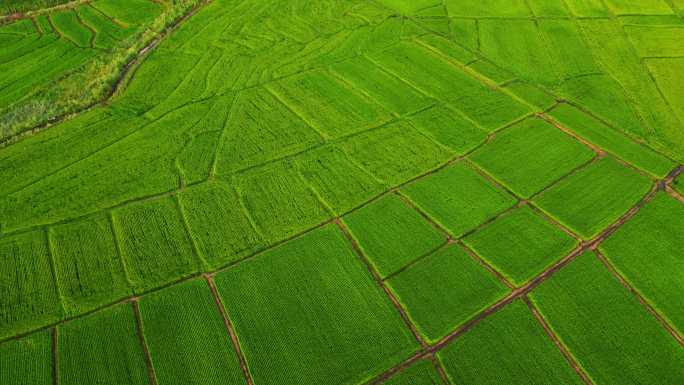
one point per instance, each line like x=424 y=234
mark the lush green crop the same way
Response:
x=154 y=244
x=508 y=347
x=445 y=289
x=647 y=250
x=520 y=244
x=392 y=234
x=612 y=141
x=187 y=337
x=458 y=198
x=531 y=155
x=28 y=294
x=613 y=337
x=337 y=180
x=279 y=201
x=87 y=264
x=313 y=300
x=218 y=224
x=102 y=347
x=422 y=372
x=595 y=196
x=27 y=360
x=395 y=153
x=69 y=25
x=449 y=128
x=328 y=105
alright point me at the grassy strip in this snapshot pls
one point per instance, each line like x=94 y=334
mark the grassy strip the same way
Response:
x=91 y=84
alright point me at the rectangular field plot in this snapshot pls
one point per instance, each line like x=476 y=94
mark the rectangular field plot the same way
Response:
x=89 y=269
x=132 y=12
x=155 y=246
x=279 y=201
x=220 y=227
x=107 y=32
x=28 y=295
x=639 y=7
x=395 y=153
x=649 y=252
x=657 y=41
x=458 y=198
x=488 y=8
x=102 y=348
x=313 y=300
x=410 y=7
x=422 y=372
x=341 y=184
x=187 y=337
x=27 y=361
x=587 y=8
x=390 y=92
x=260 y=128
x=548 y=8
x=531 y=155
x=614 y=338
x=507 y=347
x=594 y=197
x=531 y=94
x=69 y=26
x=668 y=75
x=520 y=244
x=612 y=141
x=445 y=289
x=520 y=47
x=449 y=128
x=331 y=107
x=443 y=80
x=392 y=234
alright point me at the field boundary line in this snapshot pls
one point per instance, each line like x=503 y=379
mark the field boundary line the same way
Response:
x=54 y=340
x=151 y=373
x=378 y=280
x=569 y=357
x=229 y=328
x=651 y=309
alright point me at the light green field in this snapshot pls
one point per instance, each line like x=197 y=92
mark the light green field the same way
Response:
x=342 y=192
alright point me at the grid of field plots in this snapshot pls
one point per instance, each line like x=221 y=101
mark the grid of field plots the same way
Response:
x=352 y=192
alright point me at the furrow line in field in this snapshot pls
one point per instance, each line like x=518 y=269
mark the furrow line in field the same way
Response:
x=381 y=283
x=559 y=344
x=651 y=309
x=229 y=329
x=141 y=336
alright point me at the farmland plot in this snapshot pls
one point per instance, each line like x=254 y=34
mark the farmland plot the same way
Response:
x=421 y=373
x=604 y=326
x=508 y=347
x=652 y=260
x=345 y=192
x=600 y=193
x=520 y=244
x=27 y=360
x=88 y=267
x=392 y=234
x=29 y=294
x=154 y=243
x=100 y=347
x=459 y=198
x=313 y=300
x=187 y=338
x=445 y=289
x=531 y=155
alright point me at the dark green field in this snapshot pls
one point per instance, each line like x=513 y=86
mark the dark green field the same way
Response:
x=403 y=192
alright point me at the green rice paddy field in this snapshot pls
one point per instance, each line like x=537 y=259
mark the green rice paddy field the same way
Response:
x=349 y=192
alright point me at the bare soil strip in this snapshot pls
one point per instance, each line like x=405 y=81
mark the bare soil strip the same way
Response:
x=148 y=359
x=566 y=353
x=229 y=329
